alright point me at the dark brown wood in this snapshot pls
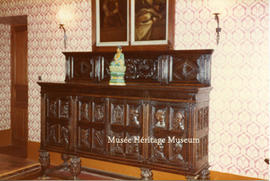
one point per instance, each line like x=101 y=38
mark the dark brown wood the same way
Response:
x=75 y=166
x=160 y=67
x=19 y=87
x=83 y=115
x=13 y=168
x=14 y=20
x=12 y=150
x=5 y=137
x=44 y=159
x=130 y=47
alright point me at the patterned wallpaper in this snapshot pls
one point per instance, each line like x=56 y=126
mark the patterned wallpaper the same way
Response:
x=239 y=115
x=45 y=44
x=239 y=106
x=4 y=77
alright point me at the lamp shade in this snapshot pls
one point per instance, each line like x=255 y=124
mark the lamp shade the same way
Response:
x=219 y=6
x=64 y=15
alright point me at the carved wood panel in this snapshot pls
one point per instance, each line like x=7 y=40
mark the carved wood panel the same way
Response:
x=185 y=69
x=58 y=120
x=144 y=69
x=203 y=118
x=126 y=123
x=99 y=110
x=168 y=126
x=134 y=115
x=52 y=133
x=164 y=67
x=64 y=108
x=92 y=117
x=84 y=109
x=117 y=114
x=202 y=148
x=84 y=68
x=98 y=140
x=117 y=146
x=84 y=137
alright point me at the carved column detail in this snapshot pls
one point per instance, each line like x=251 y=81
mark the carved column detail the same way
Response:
x=75 y=167
x=146 y=174
x=44 y=159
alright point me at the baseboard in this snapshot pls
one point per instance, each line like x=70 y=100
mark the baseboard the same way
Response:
x=128 y=171
x=5 y=137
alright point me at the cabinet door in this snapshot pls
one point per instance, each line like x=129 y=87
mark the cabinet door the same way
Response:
x=168 y=128
x=91 y=124
x=58 y=121
x=125 y=128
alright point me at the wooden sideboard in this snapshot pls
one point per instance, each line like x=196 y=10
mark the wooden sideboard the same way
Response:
x=159 y=120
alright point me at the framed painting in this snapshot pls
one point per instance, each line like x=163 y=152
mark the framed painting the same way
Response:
x=149 y=22
x=112 y=22
x=133 y=24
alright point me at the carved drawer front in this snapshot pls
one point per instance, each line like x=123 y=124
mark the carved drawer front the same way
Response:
x=192 y=69
x=125 y=124
x=91 y=124
x=84 y=68
x=58 y=110
x=168 y=128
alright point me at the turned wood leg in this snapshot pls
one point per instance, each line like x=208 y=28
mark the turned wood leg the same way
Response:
x=146 y=174
x=65 y=158
x=44 y=159
x=75 y=167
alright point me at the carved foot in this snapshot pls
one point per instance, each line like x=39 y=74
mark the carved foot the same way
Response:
x=146 y=174
x=192 y=178
x=205 y=174
x=75 y=167
x=65 y=164
x=44 y=159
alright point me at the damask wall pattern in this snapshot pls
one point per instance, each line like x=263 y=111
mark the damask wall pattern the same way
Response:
x=239 y=116
x=4 y=77
x=45 y=44
x=239 y=105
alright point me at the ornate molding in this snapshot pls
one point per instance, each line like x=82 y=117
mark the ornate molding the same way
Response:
x=164 y=67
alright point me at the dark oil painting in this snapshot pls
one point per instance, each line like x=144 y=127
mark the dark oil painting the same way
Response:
x=113 y=20
x=150 y=20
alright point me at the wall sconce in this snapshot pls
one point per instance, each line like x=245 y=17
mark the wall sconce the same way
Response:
x=64 y=16
x=218 y=29
x=61 y=26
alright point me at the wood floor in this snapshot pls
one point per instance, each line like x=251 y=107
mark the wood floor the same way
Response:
x=12 y=167
x=17 y=168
